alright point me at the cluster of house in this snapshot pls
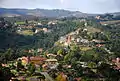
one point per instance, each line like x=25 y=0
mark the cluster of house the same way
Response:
x=46 y=64
x=38 y=25
x=73 y=38
x=98 y=17
x=34 y=50
x=52 y=22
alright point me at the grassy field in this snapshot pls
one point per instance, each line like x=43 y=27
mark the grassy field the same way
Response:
x=85 y=48
x=20 y=23
x=110 y=22
x=26 y=32
x=93 y=30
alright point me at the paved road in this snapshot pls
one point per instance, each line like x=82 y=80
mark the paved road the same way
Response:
x=48 y=78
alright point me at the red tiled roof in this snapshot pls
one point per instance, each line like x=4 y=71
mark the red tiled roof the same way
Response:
x=34 y=58
x=4 y=65
x=37 y=58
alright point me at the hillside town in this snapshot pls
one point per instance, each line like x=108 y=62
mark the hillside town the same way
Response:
x=60 y=50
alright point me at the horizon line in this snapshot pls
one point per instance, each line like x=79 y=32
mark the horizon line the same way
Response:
x=59 y=9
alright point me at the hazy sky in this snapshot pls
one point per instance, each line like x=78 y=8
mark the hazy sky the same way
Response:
x=89 y=6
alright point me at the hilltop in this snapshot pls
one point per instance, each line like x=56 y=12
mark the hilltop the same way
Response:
x=42 y=13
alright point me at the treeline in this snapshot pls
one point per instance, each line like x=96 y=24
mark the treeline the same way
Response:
x=113 y=32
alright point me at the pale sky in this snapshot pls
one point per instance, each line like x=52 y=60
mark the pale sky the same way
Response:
x=87 y=6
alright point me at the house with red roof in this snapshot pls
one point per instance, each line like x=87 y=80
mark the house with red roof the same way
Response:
x=37 y=60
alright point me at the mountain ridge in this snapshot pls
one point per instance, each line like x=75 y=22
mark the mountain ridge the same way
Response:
x=41 y=12
x=12 y=12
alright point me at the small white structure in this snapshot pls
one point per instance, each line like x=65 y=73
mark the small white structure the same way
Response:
x=82 y=20
x=52 y=22
x=51 y=60
x=15 y=24
x=39 y=50
x=85 y=29
x=51 y=55
x=72 y=38
x=52 y=63
x=19 y=30
x=72 y=33
x=45 y=29
x=62 y=39
x=84 y=41
x=117 y=60
x=78 y=40
x=98 y=41
x=105 y=24
x=77 y=31
x=85 y=24
x=66 y=44
x=39 y=24
x=36 y=31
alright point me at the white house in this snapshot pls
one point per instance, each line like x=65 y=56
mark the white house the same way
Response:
x=36 y=31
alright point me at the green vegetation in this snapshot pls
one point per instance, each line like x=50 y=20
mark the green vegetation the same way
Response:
x=28 y=39
x=88 y=59
x=26 y=32
x=20 y=23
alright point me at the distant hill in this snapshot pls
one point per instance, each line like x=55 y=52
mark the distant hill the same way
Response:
x=41 y=13
x=116 y=13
